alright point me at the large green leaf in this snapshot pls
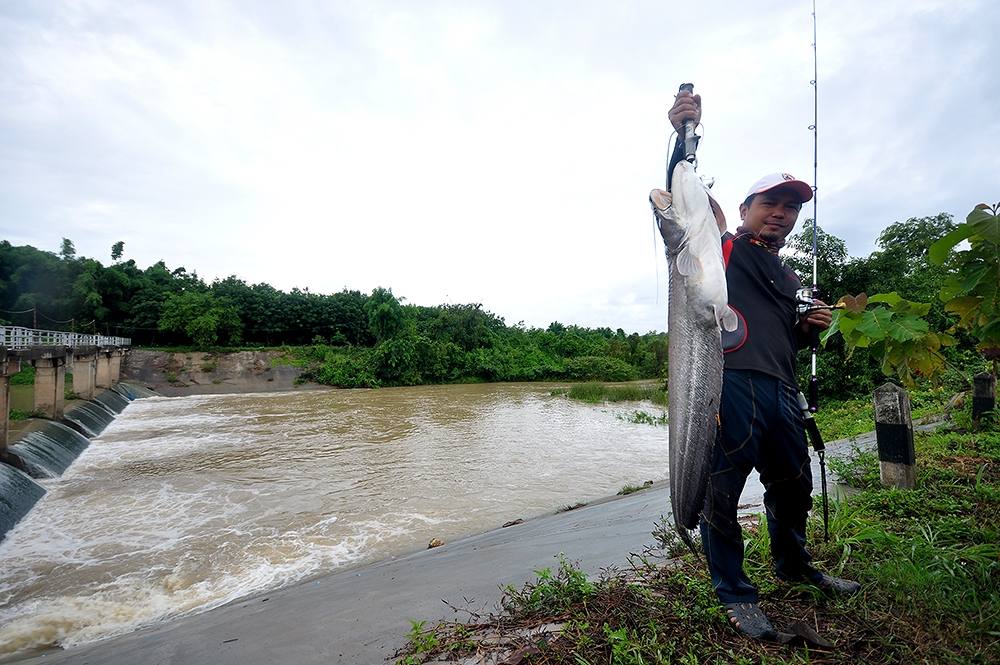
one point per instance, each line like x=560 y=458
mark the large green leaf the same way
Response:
x=990 y=334
x=833 y=329
x=849 y=323
x=966 y=307
x=972 y=277
x=905 y=328
x=875 y=323
x=950 y=291
x=938 y=251
x=984 y=223
x=892 y=298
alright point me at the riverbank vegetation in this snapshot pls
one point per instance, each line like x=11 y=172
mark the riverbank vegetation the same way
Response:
x=928 y=560
x=353 y=339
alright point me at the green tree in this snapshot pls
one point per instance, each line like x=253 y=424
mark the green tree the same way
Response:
x=831 y=255
x=385 y=315
x=117 y=250
x=201 y=316
x=972 y=289
x=67 y=251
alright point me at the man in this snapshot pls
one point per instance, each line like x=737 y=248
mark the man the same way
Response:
x=761 y=424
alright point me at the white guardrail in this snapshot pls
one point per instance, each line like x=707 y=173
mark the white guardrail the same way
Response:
x=15 y=338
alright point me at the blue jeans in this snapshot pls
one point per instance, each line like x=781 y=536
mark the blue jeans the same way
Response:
x=762 y=428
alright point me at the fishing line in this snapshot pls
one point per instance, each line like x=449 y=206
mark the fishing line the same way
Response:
x=656 y=246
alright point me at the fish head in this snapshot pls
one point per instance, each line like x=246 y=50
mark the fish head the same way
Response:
x=666 y=218
x=683 y=211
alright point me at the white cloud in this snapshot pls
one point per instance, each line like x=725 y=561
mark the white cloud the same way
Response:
x=497 y=152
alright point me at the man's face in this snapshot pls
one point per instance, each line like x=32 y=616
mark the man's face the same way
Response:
x=772 y=214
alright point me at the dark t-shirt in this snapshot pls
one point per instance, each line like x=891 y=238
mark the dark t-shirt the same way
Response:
x=762 y=291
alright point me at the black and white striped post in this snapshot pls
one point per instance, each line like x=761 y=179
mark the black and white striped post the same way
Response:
x=894 y=432
x=984 y=395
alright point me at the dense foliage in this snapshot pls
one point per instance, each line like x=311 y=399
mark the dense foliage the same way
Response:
x=900 y=272
x=355 y=339
x=348 y=339
x=972 y=287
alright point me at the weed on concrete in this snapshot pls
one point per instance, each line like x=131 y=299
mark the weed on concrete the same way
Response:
x=928 y=560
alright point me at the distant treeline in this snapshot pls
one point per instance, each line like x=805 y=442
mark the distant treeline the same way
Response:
x=356 y=339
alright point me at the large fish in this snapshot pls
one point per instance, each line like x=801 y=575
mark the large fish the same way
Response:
x=697 y=310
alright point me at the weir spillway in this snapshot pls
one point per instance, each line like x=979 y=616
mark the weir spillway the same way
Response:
x=56 y=435
x=51 y=447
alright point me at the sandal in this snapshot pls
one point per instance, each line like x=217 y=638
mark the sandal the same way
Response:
x=751 y=621
x=837 y=586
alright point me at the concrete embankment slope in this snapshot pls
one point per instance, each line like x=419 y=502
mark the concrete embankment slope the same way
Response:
x=361 y=615
x=200 y=373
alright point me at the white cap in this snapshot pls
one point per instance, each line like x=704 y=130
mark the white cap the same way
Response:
x=772 y=180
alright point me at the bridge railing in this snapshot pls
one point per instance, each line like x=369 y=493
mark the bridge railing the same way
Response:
x=16 y=338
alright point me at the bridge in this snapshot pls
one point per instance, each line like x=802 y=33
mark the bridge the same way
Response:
x=95 y=361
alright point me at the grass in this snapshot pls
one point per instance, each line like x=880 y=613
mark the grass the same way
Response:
x=632 y=489
x=928 y=559
x=596 y=393
x=26 y=377
x=640 y=417
x=21 y=414
x=837 y=419
x=841 y=419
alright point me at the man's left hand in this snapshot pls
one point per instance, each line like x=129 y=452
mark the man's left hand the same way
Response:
x=818 y=319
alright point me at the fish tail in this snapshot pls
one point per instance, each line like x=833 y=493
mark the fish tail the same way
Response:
x=685 y=535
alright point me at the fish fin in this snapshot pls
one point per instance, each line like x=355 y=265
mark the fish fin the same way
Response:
x=728 y=319
x=660 y=200
x=688 y=263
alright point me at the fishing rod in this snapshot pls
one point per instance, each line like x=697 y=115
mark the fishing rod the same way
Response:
x=687 y=141
x=806 y=298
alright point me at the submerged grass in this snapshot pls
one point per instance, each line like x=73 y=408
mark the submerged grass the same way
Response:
x=640 y=417
x=928 y=559
x=596 y=393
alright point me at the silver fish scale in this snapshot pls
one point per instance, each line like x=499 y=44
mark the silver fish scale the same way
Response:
x=694 y=388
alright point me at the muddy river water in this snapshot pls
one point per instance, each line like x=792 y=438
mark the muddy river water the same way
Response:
x=183 y=504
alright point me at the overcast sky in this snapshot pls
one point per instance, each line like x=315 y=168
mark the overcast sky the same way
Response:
x=493 y=152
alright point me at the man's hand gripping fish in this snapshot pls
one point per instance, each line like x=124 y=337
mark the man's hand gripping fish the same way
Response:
x=697 y=309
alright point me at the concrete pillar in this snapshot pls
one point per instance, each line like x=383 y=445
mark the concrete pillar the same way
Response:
x=8 y=367
x=984 y=395
x=103 y=372
x=50 y=386
x=116 y=365
x=84 y=370
x=894 y=432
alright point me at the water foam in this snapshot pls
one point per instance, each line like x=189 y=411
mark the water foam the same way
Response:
x=190 y=585
x=183 y=504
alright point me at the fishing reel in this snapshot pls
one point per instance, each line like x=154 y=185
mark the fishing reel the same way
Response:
x=805 y=300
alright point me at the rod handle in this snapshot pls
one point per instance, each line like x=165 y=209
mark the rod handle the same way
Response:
x=690 y=140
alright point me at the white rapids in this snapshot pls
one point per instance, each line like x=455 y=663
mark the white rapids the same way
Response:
x=184 y=504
